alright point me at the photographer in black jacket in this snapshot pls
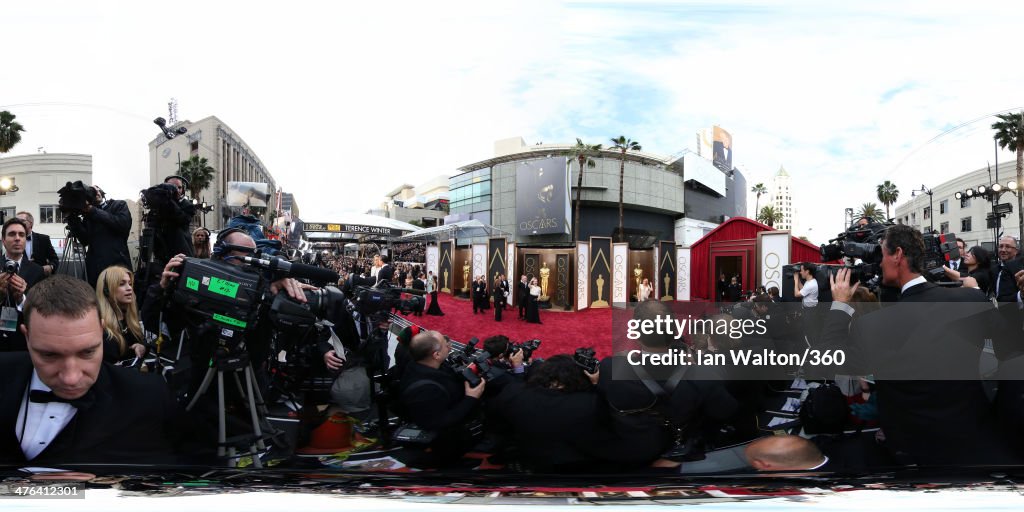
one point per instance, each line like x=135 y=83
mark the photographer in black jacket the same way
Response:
x=178 y=219
x=103 y=225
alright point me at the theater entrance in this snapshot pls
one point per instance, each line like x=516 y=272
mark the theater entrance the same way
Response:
x=732 y=265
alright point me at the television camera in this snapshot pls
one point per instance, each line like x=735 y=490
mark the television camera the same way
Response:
x=74 y=197
x=864 y=243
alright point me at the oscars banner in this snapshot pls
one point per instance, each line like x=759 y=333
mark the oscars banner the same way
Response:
x=480 y=262
x=682 y=273
x=496 y=262
x=531 y=266
x=667 y=270
x=510 y=264
x=445 y=270
x=433 y=259
x=542 y=197
x=562 y=291
x=620 y=264
x=772 y=255
x=582 y=276
x=600 y=272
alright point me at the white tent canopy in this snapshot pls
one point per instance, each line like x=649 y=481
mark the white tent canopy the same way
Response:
x=465 y=229
x=358 y=219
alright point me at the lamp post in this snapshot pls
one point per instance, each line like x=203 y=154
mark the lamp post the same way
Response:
x=931 y=206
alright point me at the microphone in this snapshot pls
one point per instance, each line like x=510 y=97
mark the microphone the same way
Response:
x=298 y=270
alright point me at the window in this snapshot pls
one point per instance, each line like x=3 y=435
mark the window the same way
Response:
x=965 y=202
x=7 y=213
x=927 y=213
x=50 y=214
x=965 y=224
x=944 y=206
x=944 y=227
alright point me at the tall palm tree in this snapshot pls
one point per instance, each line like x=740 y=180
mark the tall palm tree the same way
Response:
x=199 y=174
x=871 y=211
x=583 y=154
x=760 y=190
x=888 y=194
x=10 y=131
x=769 y=215
x=623 y=144
x=1010 y=134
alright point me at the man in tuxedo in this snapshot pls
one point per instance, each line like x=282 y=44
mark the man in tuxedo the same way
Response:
x=104 y=227
x=1009 y=264
x=13 y=286
x=38 y=247
x=522 y=294
x=62 y=404
x=386 y=272
x=958 y=264
x=479 y=294
x=931 y=404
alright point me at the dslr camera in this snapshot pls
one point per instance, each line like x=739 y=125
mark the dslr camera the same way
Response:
x=586 y=358
x=11 y=267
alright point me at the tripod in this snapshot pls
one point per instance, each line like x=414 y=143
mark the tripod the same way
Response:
x=72 y=262
x=223 y=362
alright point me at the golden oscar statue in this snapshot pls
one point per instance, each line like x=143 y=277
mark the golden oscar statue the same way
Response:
x=600 y=302
x=465 y=276
x=638 y=275
x=445 y=283
x=667 y=295
x=545 y=273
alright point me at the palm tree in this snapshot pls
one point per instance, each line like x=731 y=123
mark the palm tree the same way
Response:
x=1010 y=134
x=199 y=174
x=758 y=189
x=623 y=144
x=871 y=211
x=769 y=215
x=10 y=131
x=888 y=194
x=583 y=154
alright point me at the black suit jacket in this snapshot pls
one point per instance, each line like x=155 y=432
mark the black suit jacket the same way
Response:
x=132 y=420
x=42 y=251
x=1003 y=281
x=942 y=417
x=14 y=341
x=387 y=273
x=105 y=231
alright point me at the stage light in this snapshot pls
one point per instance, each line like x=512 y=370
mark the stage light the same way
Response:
x=958 y=195
x=1012 y=185
x=982 y=189
x=996 y=187
x=970 y=192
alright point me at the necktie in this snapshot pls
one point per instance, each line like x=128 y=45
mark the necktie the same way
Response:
x=956 y=265
x=41 y=397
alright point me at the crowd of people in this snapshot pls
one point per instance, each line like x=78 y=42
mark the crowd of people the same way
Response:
x=64 y=337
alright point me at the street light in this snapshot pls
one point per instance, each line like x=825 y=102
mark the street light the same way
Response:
x=7 y=185
x=992 y=193
x=931 y=206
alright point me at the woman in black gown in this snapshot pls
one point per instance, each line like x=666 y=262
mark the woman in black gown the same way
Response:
x=435 y=308
x=532 y=312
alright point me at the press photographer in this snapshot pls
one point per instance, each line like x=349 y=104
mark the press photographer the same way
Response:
x=17 y=275
x=102 y=225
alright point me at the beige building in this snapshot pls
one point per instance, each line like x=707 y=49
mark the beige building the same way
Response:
x=38 y=178
x=426 y=204
x=231 y=158
x=781 y=198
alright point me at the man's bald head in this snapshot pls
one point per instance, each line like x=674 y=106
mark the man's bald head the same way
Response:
x=425 y=344
x=783 y=453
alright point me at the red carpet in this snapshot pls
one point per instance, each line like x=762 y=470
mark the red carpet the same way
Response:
x=560 y=332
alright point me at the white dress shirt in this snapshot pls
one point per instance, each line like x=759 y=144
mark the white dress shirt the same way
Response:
x=39 y=424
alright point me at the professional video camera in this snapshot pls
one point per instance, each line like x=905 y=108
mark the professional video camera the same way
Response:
x=586 y=358
x=369 y=300
x=160 y=202
x=858 y=242
x=74 y=197
x=938 y=250
x=528 y=347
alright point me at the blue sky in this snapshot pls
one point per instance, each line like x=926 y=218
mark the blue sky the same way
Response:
x=365 y=97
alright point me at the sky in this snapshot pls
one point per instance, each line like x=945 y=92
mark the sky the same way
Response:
x=344 y=101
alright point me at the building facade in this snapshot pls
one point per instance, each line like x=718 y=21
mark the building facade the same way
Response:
x=425 y=205
x=289 y=204
x=231 y=158
x=967 y=217
x=782 y=198
x=663 y=198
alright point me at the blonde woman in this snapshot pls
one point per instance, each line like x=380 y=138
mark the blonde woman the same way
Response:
x=123 y=336
x=201 y=243
x=645 y=290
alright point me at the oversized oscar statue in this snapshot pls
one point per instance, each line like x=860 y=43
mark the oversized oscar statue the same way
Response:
x=638 y=275
x=445 y=283
x=599 y=303
x=465 y=277
x=667 y=296
x=545 y=273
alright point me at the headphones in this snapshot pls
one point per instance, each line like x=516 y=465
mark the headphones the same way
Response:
x=222 y=247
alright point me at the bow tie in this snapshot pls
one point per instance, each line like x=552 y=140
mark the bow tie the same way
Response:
x=42 y=397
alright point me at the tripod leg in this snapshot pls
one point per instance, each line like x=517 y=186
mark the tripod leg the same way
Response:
x=207 y=380
x=256 y=430
x=222 y=434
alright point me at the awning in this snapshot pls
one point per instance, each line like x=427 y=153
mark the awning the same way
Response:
x=464 y=229
x=358 y=226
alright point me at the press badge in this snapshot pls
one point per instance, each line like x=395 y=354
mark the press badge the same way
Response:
x=9 y=319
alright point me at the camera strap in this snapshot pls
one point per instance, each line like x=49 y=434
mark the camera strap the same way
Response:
x=657 y=389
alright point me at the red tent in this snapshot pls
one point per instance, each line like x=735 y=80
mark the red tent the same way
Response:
x=732 y=248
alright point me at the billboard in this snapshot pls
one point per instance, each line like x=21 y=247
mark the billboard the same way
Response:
x=722 y=143
x=542 y=197
x=247 y=193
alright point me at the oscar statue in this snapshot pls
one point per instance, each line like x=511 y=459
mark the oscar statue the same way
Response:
x=445 y=283
x=465 y=277
x=545 y=273
x=599 y=303
x=638 y=275
x=667 y=296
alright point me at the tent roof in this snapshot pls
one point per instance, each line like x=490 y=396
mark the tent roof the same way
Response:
x=465 y=229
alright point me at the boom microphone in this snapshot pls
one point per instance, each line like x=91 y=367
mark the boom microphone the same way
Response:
x=298 y=270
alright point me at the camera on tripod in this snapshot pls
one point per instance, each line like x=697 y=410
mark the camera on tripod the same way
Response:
x=75 y=197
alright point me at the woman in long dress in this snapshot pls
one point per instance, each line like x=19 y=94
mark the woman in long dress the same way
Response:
x=435 y=308
x=532 y=312
x=645 y=290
